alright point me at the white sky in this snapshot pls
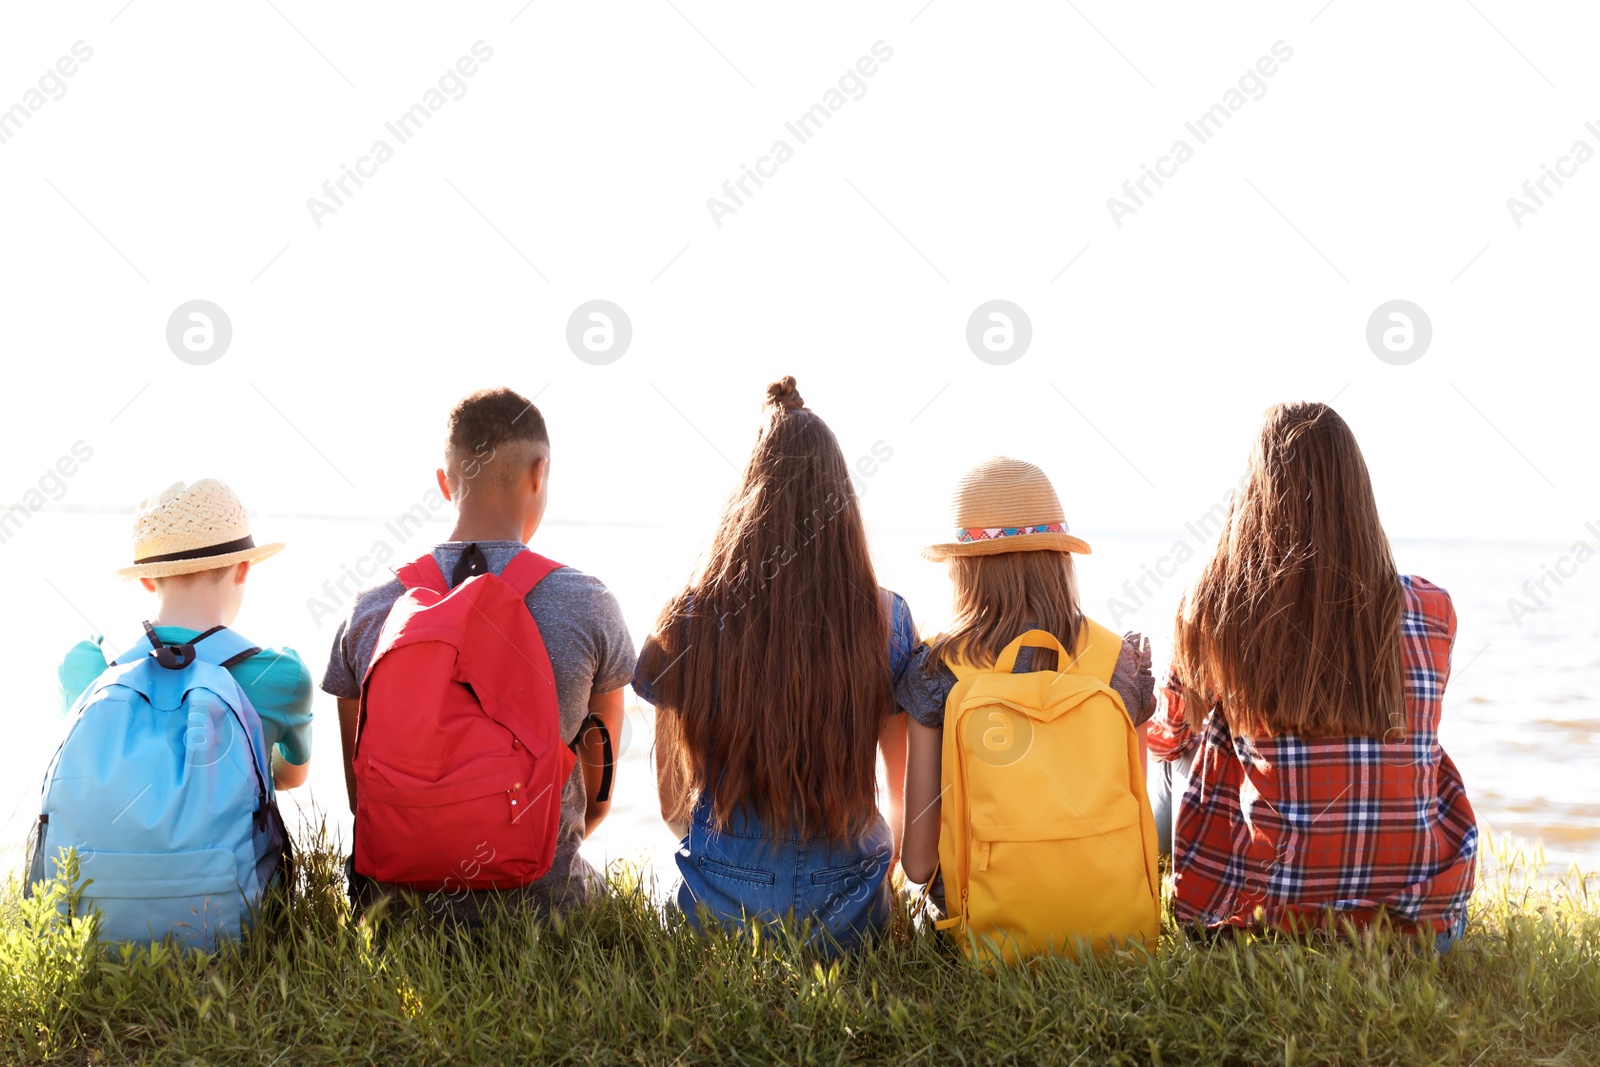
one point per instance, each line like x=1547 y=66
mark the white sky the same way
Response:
x=978 y=163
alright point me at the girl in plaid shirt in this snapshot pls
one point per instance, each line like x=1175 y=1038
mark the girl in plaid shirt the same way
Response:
x=1303 y=707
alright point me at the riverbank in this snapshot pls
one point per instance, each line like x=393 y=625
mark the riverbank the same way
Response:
x=615 y=985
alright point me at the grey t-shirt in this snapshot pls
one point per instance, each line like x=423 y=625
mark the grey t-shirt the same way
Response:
x=590 y=651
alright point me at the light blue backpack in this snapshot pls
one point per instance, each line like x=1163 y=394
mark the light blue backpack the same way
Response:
x=162 y=787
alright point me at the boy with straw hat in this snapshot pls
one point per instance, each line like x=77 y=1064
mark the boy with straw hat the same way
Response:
x=192 y=548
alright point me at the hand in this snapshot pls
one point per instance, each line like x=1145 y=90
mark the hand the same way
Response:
x=1134 y=678
x=1142 y=644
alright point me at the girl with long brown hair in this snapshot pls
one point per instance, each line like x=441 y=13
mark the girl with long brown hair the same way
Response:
x=772 y=674
x=1299 y=735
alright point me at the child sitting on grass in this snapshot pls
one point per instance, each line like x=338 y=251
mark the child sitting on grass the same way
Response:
x=1299 y=736
x=772 y=674
x=497 y=474
x=193 y=550
x=161 y=783
x=1012 y=574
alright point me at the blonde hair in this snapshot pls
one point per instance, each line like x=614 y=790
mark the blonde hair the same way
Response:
x=999 y=597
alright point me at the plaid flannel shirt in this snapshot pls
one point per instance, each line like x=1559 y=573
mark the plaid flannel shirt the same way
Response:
x=1287 y=831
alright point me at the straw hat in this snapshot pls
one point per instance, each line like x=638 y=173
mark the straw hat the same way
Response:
x=188 y=528
x=1006 y=505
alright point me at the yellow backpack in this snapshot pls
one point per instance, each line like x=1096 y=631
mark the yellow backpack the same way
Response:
x=1047 y=841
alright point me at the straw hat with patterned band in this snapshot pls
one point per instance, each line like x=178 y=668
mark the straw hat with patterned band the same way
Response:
x=1006 y=505
x=188 y=528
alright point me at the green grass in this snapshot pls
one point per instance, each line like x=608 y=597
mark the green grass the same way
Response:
x=616 y=984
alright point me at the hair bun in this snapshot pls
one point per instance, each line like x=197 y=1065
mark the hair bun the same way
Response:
x=783 y=394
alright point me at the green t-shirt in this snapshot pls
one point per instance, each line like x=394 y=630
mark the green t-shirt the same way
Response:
x=276 y=681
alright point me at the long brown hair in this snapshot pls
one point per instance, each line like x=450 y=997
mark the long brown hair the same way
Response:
x=771 y=668
x=997 y=598
x=1294 y=624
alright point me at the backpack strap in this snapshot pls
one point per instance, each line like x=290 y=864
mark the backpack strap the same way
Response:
x=472 y=563
x=1006 y=662
x=266 y=807
x=227 y=648
x=526 y=570
x=593 y=720
x=423 y=573
x=218 y=645
x=224 y=647
x=1097 y=651
x=221 y=647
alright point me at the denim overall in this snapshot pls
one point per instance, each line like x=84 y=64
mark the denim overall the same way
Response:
x=740 y=872
x=744 y=873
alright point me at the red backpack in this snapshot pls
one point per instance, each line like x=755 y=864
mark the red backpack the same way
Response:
x=459 y=759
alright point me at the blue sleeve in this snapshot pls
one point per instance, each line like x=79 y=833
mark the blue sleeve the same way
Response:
x=924 y=687
x=83 y=663
x=902 y=634
x=279 y=687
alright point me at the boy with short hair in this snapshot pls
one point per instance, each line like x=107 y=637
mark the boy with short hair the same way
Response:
x=496 y=473
x=193 y=549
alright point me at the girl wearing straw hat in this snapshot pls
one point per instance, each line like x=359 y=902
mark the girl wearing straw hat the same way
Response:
x=1011 y=571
